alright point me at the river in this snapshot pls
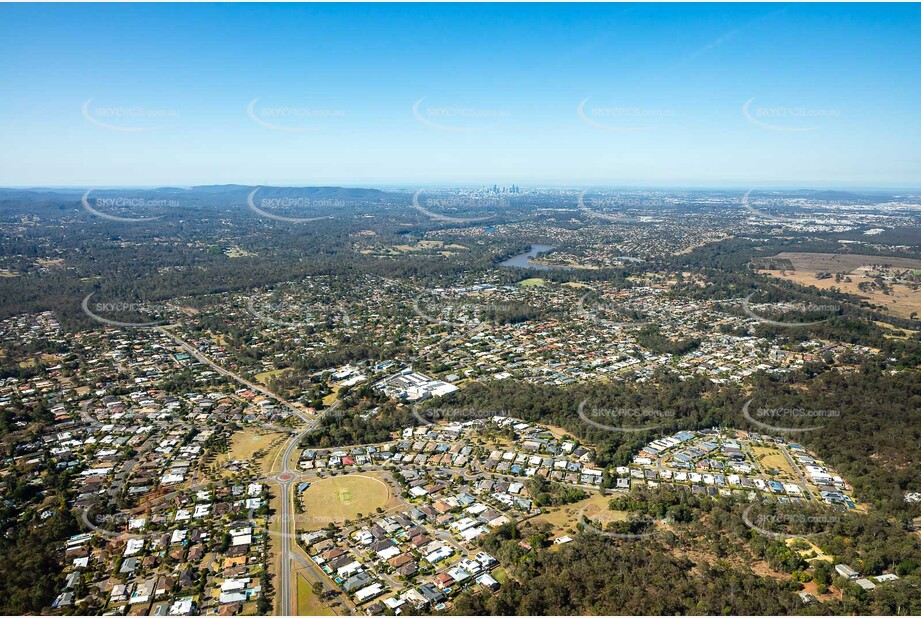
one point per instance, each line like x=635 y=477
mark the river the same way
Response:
x=523 y=260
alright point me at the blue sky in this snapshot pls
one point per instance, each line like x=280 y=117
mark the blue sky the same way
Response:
x=619 y=95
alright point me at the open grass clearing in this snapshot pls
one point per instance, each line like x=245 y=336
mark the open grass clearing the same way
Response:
x=843 y=262
x=264 y=377
x=308 y=604
x=533 y=282
x=338 y=498
x=566 y=517
x=557 y=432
x=901 y=302
x=246 y=444
x=813 y=548
x=773 y=459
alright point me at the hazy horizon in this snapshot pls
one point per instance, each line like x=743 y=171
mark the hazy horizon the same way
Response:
x=817 y=187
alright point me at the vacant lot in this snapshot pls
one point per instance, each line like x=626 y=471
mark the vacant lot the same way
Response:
x=843 y=263
x=330 y=399
x=901 y=302
x=896 y=332
x=308 y=604
x=813 y=548
x=422 y=245
x=532 y=282
x=595 y=508
x=771 y=458
x=264 y=377
x=343 y=497
x=557 y=432
x=247 y=443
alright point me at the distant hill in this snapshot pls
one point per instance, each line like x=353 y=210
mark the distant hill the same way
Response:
x=50 y=202
x=342 y=193
x=331 y=193
x=38 y=193
x=221 y=188
x=831 y=195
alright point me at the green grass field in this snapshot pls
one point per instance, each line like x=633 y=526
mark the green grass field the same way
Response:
x=307 y=602
x=532 y=282
x=343 y=497
x=772 y=458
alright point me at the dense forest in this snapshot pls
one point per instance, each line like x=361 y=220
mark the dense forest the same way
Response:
x=699 y=564
x=30 y=557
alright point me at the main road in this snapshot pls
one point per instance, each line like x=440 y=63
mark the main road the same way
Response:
x=188 y=347
x=285 y=478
